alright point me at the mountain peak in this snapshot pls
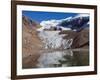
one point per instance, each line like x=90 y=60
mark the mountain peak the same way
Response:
x=70 y=23
x=81 y=15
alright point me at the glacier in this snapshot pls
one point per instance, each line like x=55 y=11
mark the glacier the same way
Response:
x=54 y=40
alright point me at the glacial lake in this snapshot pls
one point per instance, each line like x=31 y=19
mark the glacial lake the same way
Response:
x=63 y=58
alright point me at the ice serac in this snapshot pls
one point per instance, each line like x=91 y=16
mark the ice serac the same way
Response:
x=53 y=40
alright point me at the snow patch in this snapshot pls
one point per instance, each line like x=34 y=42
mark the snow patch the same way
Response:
x=81 y=15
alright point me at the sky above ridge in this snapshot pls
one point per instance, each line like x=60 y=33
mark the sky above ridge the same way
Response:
x=44 y=16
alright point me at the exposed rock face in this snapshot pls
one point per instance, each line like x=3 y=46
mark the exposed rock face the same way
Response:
x=80 y=39
x=69 y=34
x=31 y=43
x=77 y=23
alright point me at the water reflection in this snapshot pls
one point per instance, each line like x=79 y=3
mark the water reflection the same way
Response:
x=63 y=58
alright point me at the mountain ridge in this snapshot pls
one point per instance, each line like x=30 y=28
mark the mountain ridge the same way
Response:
x=70 y=23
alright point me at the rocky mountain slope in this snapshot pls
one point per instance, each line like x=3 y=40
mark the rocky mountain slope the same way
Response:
x=80 y=39
x=30 y=42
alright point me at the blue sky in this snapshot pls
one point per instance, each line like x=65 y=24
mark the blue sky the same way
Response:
x=40 y=16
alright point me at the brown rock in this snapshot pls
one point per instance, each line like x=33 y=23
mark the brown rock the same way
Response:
x=80 y=39
x=31 y=44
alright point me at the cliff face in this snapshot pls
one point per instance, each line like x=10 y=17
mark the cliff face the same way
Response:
x=31 y=43
x=80 y=39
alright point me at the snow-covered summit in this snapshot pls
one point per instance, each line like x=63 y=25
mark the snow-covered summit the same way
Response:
x=68 y=23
